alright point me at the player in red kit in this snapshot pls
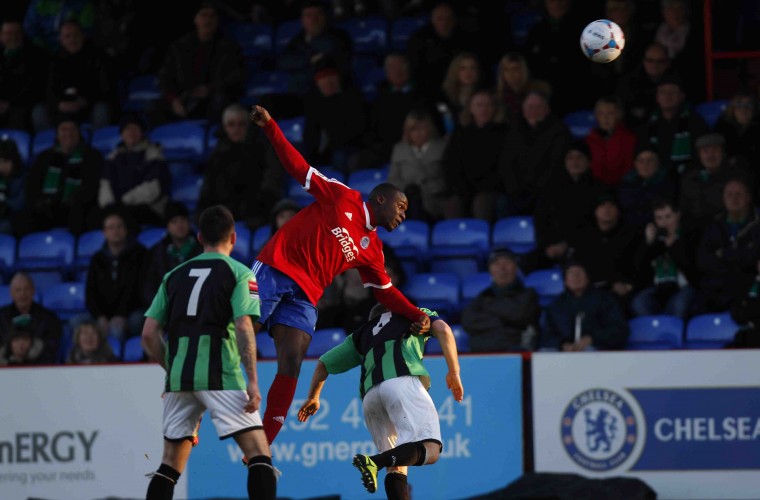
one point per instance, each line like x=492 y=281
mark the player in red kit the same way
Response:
x=326 y=238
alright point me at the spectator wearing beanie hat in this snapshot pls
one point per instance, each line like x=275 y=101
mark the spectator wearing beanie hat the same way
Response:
x=136 y=175
x=564 y=207
x=611 y=142
x=641 y=186
x=178 y=245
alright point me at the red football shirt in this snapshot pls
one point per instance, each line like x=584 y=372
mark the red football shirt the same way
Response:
x=327 y=237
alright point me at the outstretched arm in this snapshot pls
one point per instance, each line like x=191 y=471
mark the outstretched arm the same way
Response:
x=291 y=159
x=442 y=331
x=246 y=341
x=153 y=343
x=397 y=303
x=311 y=405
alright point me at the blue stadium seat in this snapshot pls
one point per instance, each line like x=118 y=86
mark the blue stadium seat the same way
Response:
x=461 y=337
x=711 y=110
x=133 y=351
x=23 y=140
x=411 y=240
x=522 y=23
x=403 y=27
x=547 y=283
x=264 y=83
x=265 y=346
x=187 y=190
x=464 y=237
x=212 y=139
x=655 y=332
x=5 y=295
x=260 y=236
x=105 y=139
x=516 y=232
x=369 y=34
x=66 y=299
x=87 y=244
x=463 y=267
x=473 y=285
x=184 y=140
x=323 y=340
x=366 y=179
x=255 y=39
x=710 y=331
x=41 y=141
x=368 y=73
x=150 y=236
x=142 y=91
x=8 y=245
x=436 y=291
x=47 y=251
x=115 y=345
x=284 y=32
x=580 y=122
x=45 y=279
x=292 y=129
x=242 y=250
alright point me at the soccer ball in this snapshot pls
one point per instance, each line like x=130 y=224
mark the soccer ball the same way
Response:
x=602 y=41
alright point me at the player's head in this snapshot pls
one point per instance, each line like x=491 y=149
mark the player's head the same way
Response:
x=217 y=228
x=389 y=204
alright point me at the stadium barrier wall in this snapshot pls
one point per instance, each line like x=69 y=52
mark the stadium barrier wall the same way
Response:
x=686 y=423
x=94 y=432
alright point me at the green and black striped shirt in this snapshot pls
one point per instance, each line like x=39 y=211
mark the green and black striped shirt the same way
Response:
x=197 y=304
x=385 y=348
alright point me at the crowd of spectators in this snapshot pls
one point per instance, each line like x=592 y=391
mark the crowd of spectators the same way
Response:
x=654 y=211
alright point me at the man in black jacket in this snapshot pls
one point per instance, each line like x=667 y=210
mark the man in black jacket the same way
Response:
x=502 y=317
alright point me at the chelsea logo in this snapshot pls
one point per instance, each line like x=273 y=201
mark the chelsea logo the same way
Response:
x=599 y=430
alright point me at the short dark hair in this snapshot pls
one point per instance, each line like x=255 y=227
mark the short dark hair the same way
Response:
x=377 y=310
x=386 y=189
x=216 y=223
x=665 y=202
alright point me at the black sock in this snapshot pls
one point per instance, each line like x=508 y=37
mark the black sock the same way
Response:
x=406 y=454
x=262 y=483
x=161 y=486
x=396 y=487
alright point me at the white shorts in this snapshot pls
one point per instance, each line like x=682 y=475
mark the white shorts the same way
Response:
x=400 y=411
x=183 y=411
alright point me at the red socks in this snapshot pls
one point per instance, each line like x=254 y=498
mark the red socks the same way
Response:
x=279 y=397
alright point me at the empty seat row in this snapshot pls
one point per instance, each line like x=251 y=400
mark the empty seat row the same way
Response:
x=704 y=331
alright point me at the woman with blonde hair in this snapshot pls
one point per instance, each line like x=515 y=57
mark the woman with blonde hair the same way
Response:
x=416 y=166
x=462 y=79
x=90 y=346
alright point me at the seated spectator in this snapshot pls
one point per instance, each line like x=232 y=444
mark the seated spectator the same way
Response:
x=90 y=346
x=112 y=290
x=43 y=18
x=78 y=83
x=637 y=89
x=432 y=47
x=701 y=190
x=462 y=80
x=61 y=188
x=739 y=124
x=136 y=175
x=611 y=143
x=728 y=254
x=23 y=67
x=504 y=316
x=583 y=318
x=242 y=172
x=11 y=183
x=397 y=96
x=335 y=120
x=642 y=186
x=532 y=152
x=178 y=246
x=608 y=248
x=512 y=84
x=282 y=212
x=317 y=41
x=21 y=348
x=746 y=313
x=471 y=159
x=564 y=207
x=666 y=265
x=203 y=72
x=672 y=127
x=417 y=167
x=23 y=311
